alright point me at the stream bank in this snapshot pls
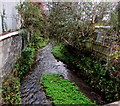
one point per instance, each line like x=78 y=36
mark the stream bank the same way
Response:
x=47 y=64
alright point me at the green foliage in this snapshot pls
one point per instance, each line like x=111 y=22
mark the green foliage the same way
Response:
x=71 y=23
x=11 y=91
x=26 y=60
x=37 y=40
x=94 y=73
x=57 y=51
x=100 y=78
x=24 y=64
x=61 y=53
x=63 y=24
x=63 y=91
x=31 y=15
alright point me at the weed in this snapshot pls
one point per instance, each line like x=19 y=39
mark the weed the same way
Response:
x=63 y=91
x=10 y=90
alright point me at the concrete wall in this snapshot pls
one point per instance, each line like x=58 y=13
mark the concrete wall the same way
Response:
x=11 y=18
x=10 y=50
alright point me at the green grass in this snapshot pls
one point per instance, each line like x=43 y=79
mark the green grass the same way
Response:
x=63 y=91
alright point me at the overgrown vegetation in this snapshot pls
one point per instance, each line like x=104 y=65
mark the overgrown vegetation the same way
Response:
x=71 y=26
x=103 y=80
x=63 y=91
x=72 y=23
x=32 y=21
x=11 y=86
x=10 y=90
x=24 y=64
x=31 y=16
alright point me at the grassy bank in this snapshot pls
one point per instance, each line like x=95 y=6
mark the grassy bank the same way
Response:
x=93 y=72
x=62 y=91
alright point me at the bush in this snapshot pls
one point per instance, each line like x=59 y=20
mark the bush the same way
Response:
x=37 y=40
x=63 y=91
x=31 y=15
x=25 y=62
x=100 y=78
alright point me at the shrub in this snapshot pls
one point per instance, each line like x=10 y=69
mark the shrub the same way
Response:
x=25 y=62
x=37 y=40
x=105 y=81
x=31 y=15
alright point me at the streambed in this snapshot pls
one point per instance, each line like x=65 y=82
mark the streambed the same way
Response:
x=46 y=63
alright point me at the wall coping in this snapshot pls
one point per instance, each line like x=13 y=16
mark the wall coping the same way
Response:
x=9 y=35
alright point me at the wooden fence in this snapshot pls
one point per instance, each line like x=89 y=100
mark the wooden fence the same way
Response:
x=111 y=52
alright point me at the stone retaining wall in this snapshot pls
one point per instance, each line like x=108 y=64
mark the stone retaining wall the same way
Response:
x=10 y=50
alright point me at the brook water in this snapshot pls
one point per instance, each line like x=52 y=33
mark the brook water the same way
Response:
x=47 y=64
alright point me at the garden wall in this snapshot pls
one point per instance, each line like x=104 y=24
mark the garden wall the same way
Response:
x=10 y=50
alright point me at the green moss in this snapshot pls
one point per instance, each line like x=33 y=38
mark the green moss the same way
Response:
x=63 y=91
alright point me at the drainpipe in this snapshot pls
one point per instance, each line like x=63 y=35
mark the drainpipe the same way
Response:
x=2 y=18
x=4 y=27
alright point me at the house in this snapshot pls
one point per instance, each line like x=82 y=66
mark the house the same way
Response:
x=9 y=18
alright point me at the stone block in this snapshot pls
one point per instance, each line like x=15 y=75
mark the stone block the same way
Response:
x=1 y=49
x=1 y=60
x=1 y=43
x=5 y=57
x=5 y=48
x=0 y=72
x=4 y=41
x=1 y=76
x=7 y=69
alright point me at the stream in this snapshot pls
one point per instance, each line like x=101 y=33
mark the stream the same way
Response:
x=46 y=63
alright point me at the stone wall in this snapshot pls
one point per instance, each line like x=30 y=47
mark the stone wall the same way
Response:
x=10 y=50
